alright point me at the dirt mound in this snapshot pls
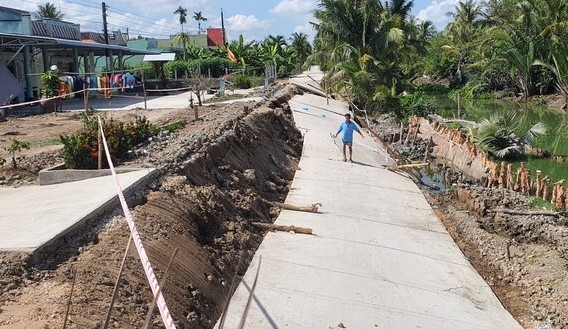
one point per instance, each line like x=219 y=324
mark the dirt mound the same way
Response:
x=218 y=175
x=523 y=257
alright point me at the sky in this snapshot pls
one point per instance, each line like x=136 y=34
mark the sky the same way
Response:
x=254 y=19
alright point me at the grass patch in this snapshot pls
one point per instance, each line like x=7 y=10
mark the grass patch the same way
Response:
x=225 y=98
x=46 y=142
x=174 y=126
x=539 y=203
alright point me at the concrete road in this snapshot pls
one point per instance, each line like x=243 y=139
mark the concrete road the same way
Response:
x=379 y=257
x=32 y=217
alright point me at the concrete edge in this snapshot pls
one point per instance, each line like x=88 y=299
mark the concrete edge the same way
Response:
x=55 y=242
x=58 y=174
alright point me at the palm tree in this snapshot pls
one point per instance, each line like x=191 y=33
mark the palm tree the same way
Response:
x=559 y=66
x=300 y=44
x=362 y=46
x=182 y=37
x=399 y=8
x=199 y=17
x=48 y=11
x=502 y=136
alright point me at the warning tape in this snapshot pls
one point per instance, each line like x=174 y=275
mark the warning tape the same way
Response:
x=154 y=285
x=39 y=101
x=12 y=106
x=175 y=89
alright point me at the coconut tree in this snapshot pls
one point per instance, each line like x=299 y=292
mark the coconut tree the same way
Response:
x=300 y=44
x=559 y=66
x=501 y=135
x=48 y=10
x=182 y=38
x=198 y=16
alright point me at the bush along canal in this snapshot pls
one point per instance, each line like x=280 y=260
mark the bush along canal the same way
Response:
x=552 y=157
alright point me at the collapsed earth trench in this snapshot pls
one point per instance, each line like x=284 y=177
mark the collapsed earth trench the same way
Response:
x=209 y=194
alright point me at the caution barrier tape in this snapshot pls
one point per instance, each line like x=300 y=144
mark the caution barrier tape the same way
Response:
x=38 y=101
x=12 y=106
x=175 y=89
x=154 y=285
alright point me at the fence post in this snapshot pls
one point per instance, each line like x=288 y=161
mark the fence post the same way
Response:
x=100 y=154
x=144 y=89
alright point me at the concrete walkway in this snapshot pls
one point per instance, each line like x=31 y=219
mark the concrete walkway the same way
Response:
x=33 y=217
x=380 y=258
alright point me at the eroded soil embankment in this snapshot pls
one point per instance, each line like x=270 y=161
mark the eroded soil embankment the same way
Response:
x=214 y=185
x=522 y=256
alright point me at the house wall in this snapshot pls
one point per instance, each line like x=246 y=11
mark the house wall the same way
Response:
x=15 y=21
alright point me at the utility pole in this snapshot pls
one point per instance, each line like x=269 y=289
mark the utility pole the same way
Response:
x=105 y=31
x=223 y=28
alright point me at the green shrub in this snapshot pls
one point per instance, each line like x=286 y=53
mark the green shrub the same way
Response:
x=433 y=88
x=473 y=90
x=175 y=126
x=80 y=150
x=242 y=81
x=16 y=147
x=49 y=85
x=415 y=105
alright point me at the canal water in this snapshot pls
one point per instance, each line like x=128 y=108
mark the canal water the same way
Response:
x=554 y=141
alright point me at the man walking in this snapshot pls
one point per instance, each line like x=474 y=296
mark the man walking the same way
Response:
x=348 y=127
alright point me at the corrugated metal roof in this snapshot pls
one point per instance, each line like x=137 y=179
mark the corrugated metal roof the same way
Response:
x=61 y=30
x=63 y=43
x=163 y=57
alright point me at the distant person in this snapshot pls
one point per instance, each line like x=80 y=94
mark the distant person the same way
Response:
x=348 y=127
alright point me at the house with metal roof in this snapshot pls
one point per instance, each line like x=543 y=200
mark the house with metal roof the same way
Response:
x=28 y=48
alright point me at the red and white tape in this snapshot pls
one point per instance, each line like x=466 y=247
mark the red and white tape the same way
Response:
x=154 y=285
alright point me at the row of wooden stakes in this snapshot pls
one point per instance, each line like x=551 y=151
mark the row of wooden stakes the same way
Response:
x=501 y=175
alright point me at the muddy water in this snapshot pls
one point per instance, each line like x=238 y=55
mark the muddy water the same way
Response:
x=554 y=142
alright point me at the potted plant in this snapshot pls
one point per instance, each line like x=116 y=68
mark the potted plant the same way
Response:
x=49 y=89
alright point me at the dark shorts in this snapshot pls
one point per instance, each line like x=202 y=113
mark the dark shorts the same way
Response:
x=348 y=143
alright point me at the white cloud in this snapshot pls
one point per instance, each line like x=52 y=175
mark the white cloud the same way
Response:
x=437 y=13
x=307 y=29
x=242 y=23
x=294 y=6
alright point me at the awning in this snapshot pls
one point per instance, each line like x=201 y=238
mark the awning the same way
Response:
x=15 y=41
x=163 y=57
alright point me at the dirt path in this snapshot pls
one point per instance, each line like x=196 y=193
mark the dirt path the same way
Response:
x=217 y=176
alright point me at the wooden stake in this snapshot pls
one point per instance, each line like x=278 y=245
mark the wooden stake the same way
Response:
x=503 y=175
x=510 y=183
x=231 y=289
x=525 y=212
x=538 y=184
x=117 y=283
x=70 y=298
x=284 y=228
x=312 y=208
x=100 y=153
x=162 y=283
x=412 y=165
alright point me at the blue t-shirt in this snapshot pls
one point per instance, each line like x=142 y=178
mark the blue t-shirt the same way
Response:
x=348 y=128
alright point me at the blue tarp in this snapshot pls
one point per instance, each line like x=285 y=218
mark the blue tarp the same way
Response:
x=11 y=88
